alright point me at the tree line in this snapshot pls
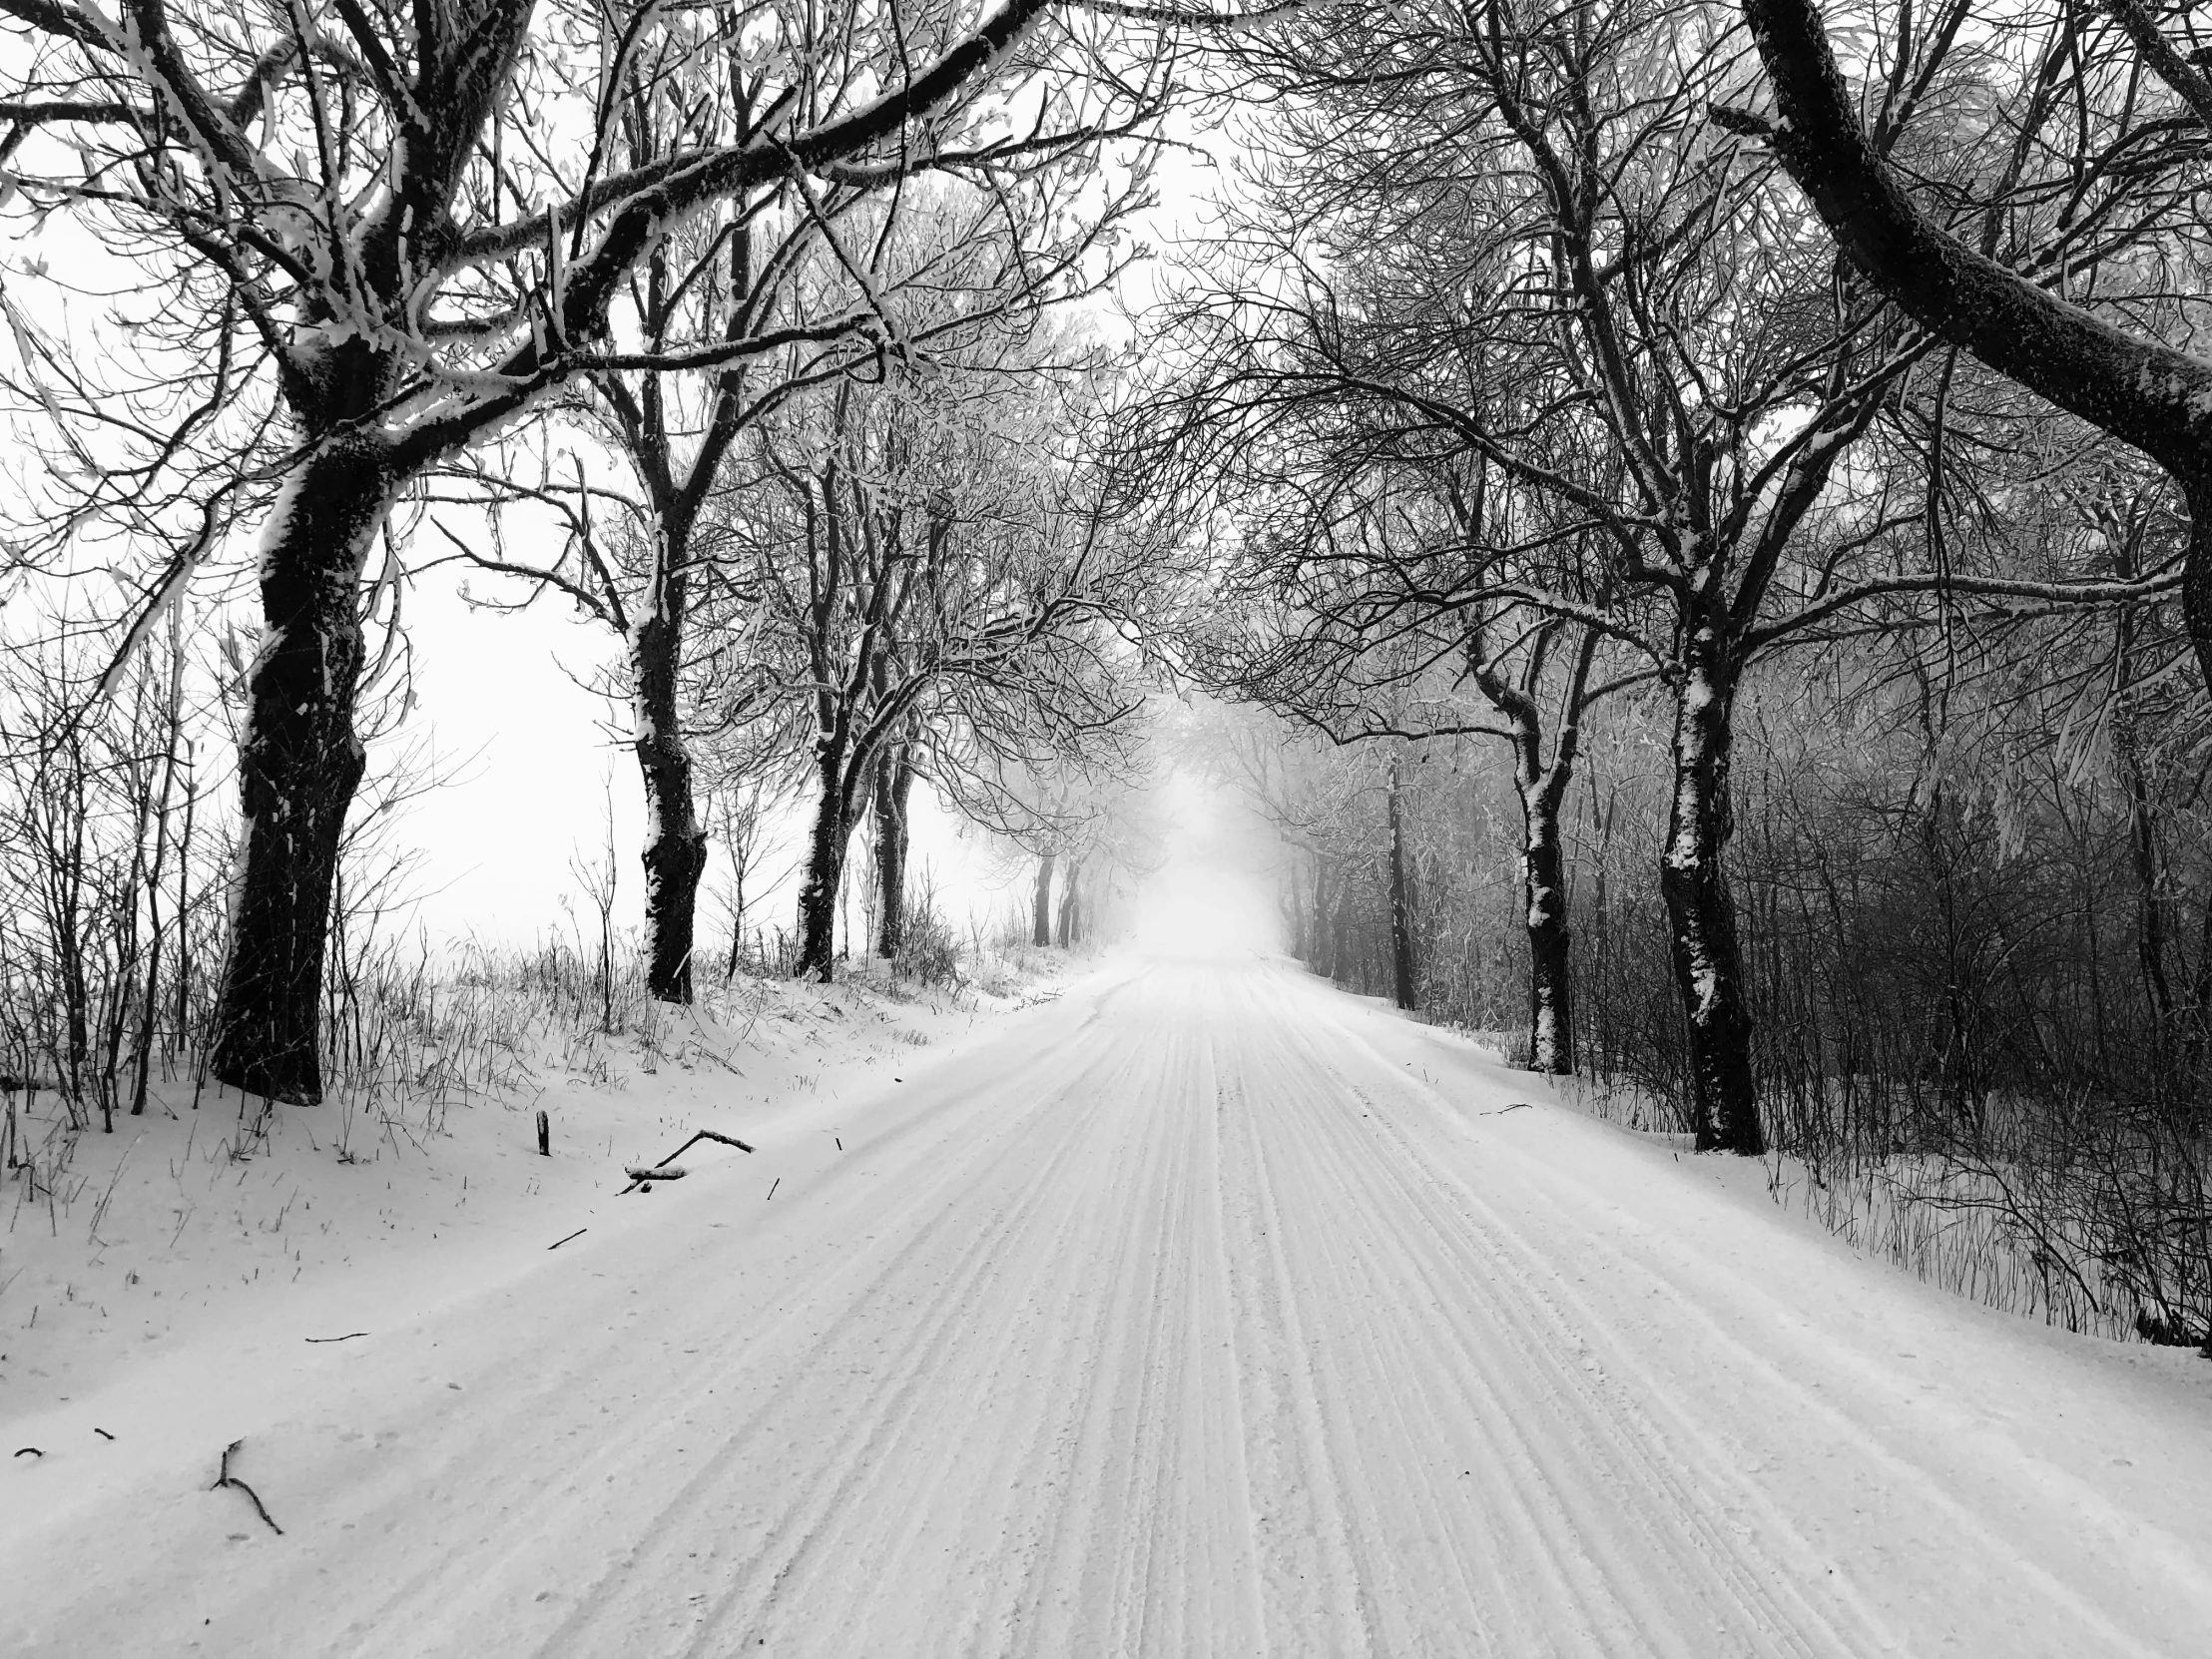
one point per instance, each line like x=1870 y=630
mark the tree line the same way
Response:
x=1789 y=477
x=1786 y=466
x=361 y=287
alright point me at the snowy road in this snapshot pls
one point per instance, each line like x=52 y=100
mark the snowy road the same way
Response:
x=1208 y=1312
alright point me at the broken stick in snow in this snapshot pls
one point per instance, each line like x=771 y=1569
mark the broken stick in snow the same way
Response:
x=223 y=1477
x=643 y=1177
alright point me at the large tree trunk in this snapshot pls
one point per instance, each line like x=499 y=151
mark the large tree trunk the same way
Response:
x=817 y=892
x=1040 y=903
x=1402 y=909
x=1550 y=979
x=674 y=843
x=299 y=762
x=1701 y=914
x=893 y=783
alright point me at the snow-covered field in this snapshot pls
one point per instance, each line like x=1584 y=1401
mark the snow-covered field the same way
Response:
x=1202 y=1310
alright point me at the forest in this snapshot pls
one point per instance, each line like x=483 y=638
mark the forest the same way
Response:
x=1690 y=524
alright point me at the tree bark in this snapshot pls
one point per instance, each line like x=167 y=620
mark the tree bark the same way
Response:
x=675 y=854
x=1040 y=904
x=1550 y=976
x=299 y=762
x=1541 y=788
x=1402 y=917
x=817 y=892
x=1701 y=913
x=894 y=781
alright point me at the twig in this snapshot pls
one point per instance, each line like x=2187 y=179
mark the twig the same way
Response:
x=348 y=1337
x=557 y=1243
x=223 y=1477
x=29 y=1452
x=103 y=1434
x=637 y=1180
x=772 y=1186
x=702 y=1135
x=1517 y=1106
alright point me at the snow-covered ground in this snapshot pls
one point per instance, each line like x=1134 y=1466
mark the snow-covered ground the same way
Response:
x=1202 y=1310
x=187 y=1229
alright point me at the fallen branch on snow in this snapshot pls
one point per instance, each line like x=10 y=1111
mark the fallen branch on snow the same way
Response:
x=641 y=1176
x=223 y=1477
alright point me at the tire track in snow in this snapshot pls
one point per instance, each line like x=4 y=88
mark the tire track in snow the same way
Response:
x=2031 y=1605
x=1197 y=1327
x=1635 y=1558
x=916 y=1332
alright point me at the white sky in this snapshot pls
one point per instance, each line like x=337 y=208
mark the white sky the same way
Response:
x=498 y=840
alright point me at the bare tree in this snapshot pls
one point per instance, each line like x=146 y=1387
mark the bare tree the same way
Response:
x=1528 y=256
x=932 y=561
x=924 y=272
x=382 y=220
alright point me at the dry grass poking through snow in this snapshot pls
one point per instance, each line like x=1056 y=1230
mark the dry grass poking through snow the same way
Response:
x=2011 y=1232
x=423 y=1156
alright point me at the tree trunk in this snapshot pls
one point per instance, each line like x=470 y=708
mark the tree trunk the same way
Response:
x=299 y=762
x=1550 y=978
x=1402 y=917
x=1708 y=959
x=1070 y=906
x=675 y=843
x=1316 y=929
x=894 y=781
x=1040 y=906
x=818 y=894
